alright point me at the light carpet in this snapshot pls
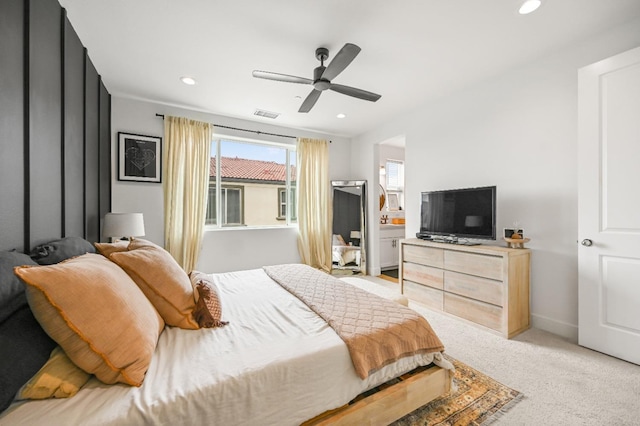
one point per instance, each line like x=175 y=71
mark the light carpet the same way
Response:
x=563 y=383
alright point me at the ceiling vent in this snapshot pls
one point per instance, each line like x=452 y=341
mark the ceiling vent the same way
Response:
x=266 y=114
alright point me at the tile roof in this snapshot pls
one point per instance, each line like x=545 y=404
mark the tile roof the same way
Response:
x=242 y=168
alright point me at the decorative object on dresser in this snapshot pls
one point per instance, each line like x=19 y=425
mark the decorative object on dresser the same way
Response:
x=139 y=157
x=515 y=237
x=487 y=285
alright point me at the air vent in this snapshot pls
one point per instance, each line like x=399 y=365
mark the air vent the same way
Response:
x=266 y=114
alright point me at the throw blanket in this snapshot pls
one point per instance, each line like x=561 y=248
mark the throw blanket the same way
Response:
x=376 y=331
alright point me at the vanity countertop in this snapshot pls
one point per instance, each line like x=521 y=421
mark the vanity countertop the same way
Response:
x=391 y=226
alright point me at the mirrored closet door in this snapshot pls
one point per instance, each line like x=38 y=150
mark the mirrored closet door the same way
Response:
x=348 y=243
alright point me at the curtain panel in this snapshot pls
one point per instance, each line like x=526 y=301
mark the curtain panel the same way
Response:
x=186 y=164
x=314 y=203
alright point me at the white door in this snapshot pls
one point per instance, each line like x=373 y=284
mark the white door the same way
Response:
x=609 y=206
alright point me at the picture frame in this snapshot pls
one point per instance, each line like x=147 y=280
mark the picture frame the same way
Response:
x=139 y=158
x=393 y=202
x=508 y=232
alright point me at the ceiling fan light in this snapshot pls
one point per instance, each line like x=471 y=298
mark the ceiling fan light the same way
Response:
x=529 y=6
x=188 y=81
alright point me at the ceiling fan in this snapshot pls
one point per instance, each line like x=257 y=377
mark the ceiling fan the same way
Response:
x=322 y=77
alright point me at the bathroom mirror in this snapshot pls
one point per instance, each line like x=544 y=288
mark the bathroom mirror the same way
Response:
x=348 y=242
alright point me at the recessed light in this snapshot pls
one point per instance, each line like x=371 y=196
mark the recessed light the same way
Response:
x=529 y=6
x=341 y=115
x=188 y=81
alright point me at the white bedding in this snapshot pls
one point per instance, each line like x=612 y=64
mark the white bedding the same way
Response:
x=343 y=255
x=276 y=363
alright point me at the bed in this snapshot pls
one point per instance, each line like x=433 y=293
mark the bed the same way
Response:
x=277 y=362
x=343 y=254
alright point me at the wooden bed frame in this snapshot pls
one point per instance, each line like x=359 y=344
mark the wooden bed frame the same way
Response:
x=390 y=402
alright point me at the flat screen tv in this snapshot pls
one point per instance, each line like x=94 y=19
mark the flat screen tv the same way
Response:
x=459 y=213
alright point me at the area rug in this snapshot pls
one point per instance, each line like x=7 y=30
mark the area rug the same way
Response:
x=478 y=400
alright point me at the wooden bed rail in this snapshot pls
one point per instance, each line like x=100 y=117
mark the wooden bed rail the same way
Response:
x=390 y=402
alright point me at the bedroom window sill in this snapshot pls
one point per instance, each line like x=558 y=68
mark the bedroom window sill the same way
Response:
x=209 y=228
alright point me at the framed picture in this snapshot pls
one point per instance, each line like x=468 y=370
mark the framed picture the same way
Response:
x=139 y=157
x=508 y=232
x=393 y=202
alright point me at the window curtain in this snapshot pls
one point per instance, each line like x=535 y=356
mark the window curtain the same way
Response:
x=314 y=203
x=186 y=181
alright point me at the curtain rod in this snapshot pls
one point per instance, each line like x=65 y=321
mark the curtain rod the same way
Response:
x=245 y=130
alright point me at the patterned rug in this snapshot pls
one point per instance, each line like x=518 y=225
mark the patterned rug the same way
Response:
x=479 y=400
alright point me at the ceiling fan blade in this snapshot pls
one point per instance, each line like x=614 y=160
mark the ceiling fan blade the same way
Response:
x=281 y=77
x=341 y=61
x=356 y=93
x=310 y=101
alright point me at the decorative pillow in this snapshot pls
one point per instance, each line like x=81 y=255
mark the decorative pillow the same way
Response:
x=97 y=314
x=24 y=349
x=161 y=279
x=59 y=250
x=58 y=378
x=208 y=308
x=12 y=295
x=106 y=249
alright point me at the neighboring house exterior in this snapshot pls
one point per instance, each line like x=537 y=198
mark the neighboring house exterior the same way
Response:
x=253 y=192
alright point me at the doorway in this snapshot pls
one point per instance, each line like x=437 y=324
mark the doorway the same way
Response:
x=391 y=220
x=608 y=204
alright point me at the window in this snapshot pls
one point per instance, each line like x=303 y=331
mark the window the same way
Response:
x=231 y=206
x=395 y=175
x=252 y=186
x=282 y=204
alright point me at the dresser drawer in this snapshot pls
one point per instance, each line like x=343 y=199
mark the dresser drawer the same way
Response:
x=427 y=275
x=473 y=287
x=473 y=310
x=474 y=264
x=428 y=256
x=426 y=295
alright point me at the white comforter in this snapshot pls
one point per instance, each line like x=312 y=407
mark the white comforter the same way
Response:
x=276 y=363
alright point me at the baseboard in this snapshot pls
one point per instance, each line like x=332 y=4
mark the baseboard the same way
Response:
x=561 y=328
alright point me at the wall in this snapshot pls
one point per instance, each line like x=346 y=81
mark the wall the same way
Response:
x=517 y=131
x=54 y=129
x=226 y=249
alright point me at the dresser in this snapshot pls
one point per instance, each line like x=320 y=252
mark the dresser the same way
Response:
x=487 y=285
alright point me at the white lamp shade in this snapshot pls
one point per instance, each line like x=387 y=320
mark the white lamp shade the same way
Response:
x=117 y=225
x=355 y=235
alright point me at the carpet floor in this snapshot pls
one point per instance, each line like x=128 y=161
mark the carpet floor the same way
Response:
x=475 y=399
x=563 y=383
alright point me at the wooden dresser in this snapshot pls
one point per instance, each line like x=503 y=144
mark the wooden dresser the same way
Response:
x=487 y=285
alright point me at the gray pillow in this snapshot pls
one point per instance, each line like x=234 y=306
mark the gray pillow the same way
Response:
x=12 y=296
x=24 y=349
x=59 y=250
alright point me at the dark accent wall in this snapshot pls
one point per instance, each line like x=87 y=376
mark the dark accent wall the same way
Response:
x=346 y=213
x=55 y=160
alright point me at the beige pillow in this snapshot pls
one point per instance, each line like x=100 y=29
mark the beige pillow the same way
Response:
x=106 y=249
x=161 y=279
x=208 y=310
x=97 y=314
x=58 y=378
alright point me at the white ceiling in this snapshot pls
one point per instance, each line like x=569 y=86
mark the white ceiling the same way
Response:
x=413 y=51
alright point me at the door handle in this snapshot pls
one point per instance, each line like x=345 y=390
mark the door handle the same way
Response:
x=587 y=242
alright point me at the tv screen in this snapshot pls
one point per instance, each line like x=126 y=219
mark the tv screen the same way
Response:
x=462 y=213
